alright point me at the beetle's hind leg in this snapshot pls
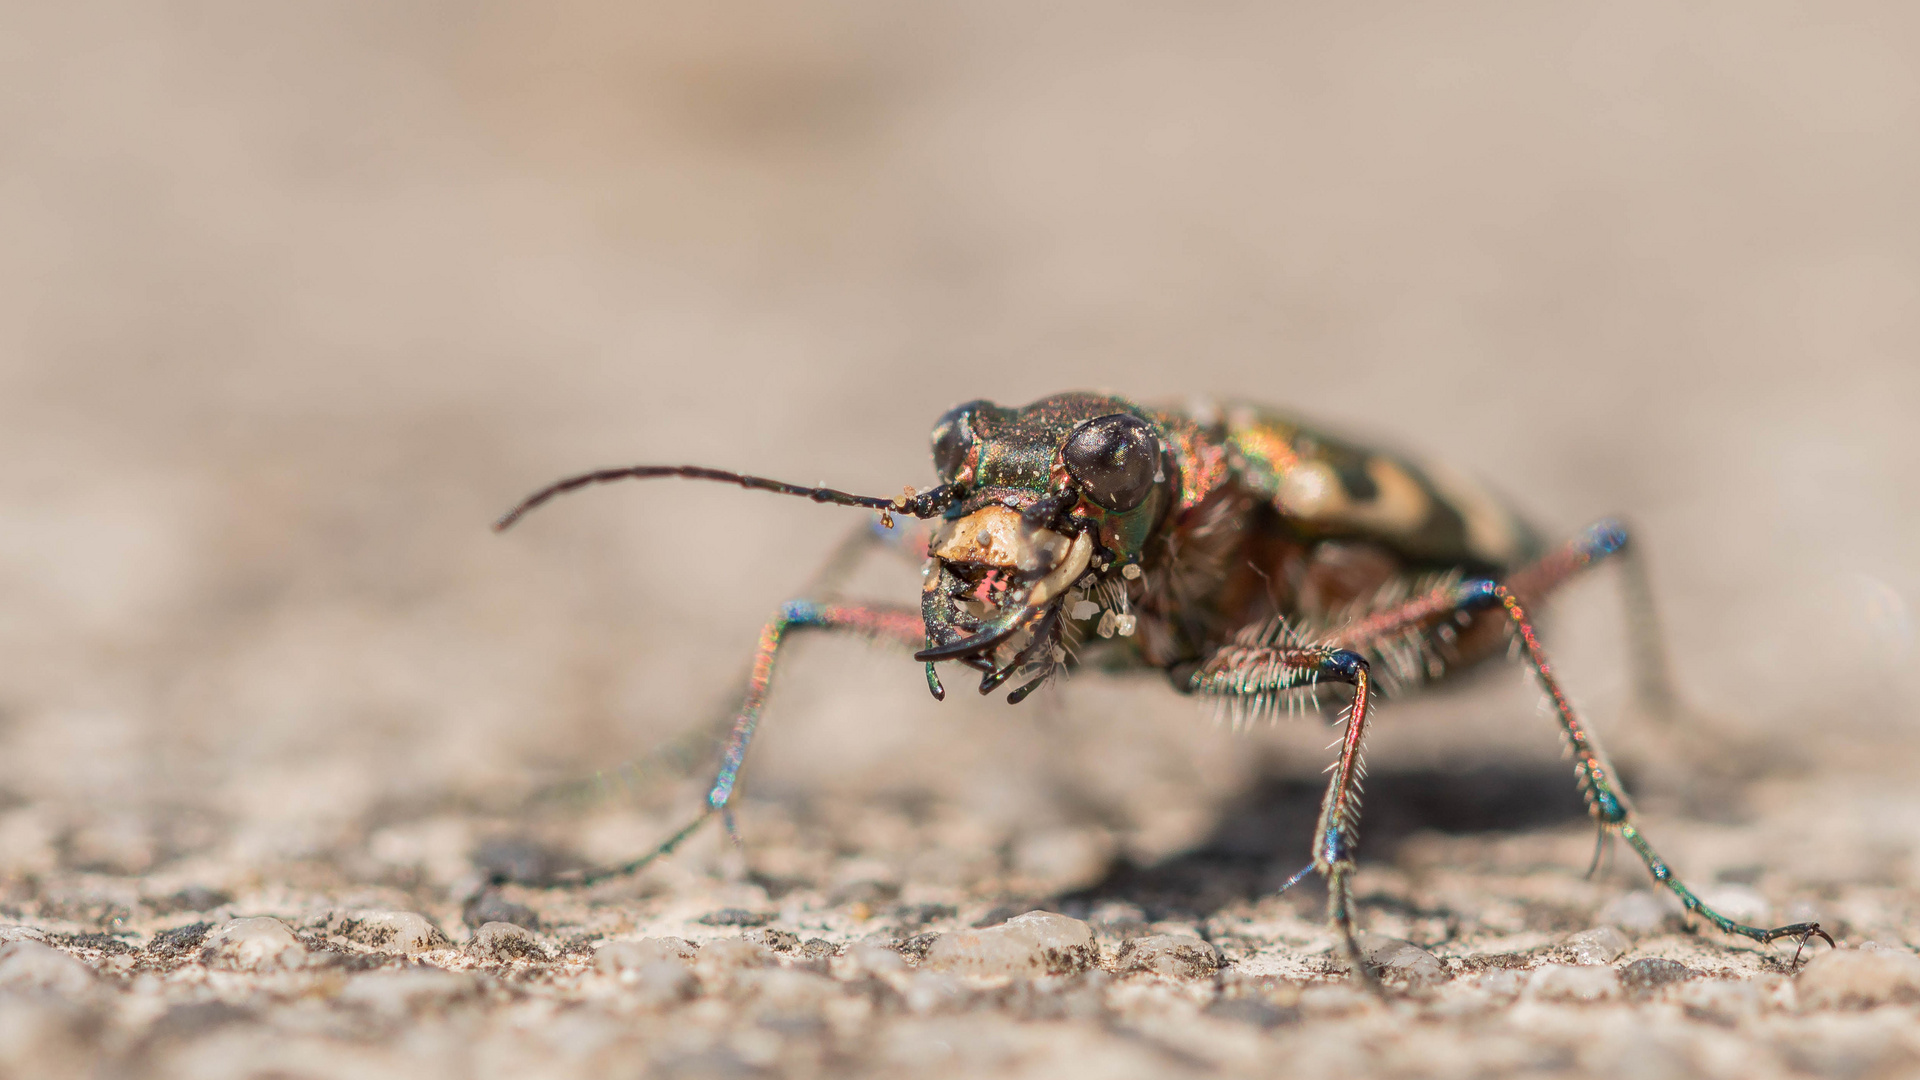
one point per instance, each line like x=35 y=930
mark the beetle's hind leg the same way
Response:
x=1254 y=672
x=1598 y=780
x=1608 y=801
x=876 y=622
x=1671 y=730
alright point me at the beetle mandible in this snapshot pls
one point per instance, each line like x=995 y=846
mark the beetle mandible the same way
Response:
x=1248 y=555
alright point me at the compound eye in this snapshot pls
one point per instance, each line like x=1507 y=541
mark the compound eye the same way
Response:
x=1116 y=459
x=953 y=441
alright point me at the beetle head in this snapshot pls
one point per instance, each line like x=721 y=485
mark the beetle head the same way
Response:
x=1048 y=501
x=1037 y=505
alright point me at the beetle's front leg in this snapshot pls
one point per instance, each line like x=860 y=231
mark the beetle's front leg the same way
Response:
x=873 y=621
x=876 y=622
x=1260 y=672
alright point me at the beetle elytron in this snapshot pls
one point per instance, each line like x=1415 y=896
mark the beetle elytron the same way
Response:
x=1248 y=556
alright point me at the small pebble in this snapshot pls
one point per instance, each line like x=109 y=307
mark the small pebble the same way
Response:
x=29 y=965
x=1640 y=911
x=818 y=951
x=1565 y=982
x=1649 y=973
x=506 y=941
x=1859 y=978
x=1034 y=944
x=393 y=931
x=257 y=944
x=615 y=957
x=1600 y=945
x=1400 y=961
x=1176 y=955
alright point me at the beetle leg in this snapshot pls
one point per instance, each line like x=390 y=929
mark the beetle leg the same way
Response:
x=1653 y=682
x=1257 y=672
x=683 y=753
x=875 y=622
x=1608 y=801
x=1599 y=783
x=880 y=623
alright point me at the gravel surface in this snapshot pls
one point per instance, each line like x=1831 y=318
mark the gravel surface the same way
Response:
x=295 y=298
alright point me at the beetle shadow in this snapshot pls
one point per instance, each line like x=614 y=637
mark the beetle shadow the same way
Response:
x=1264 y=835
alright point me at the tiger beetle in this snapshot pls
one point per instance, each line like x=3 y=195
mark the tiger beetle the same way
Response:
x=1249 y=556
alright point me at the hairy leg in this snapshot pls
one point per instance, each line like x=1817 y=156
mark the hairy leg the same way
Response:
x=1653 y=683
x=1263 y=671
x=1258 y=672
x=1608 y=801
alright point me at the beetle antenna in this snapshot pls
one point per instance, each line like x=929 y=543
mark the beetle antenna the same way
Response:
x=920 y=506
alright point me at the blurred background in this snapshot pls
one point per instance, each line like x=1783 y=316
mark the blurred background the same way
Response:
x=295 y=298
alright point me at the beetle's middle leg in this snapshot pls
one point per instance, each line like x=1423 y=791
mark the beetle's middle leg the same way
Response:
x=875 y=622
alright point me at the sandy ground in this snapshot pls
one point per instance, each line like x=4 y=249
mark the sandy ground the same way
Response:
x=294 y=298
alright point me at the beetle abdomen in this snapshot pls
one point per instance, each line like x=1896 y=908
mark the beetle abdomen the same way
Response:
x=1325 y=486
